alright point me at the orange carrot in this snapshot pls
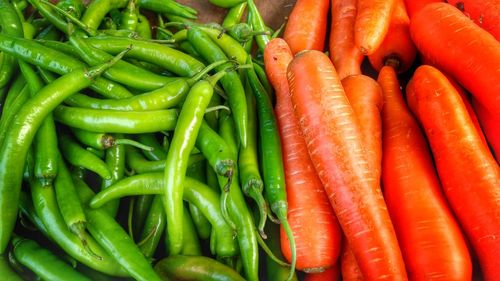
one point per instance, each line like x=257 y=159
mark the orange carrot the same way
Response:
x=491 y=126
x=431 y=241
x=397 y=48
x=372 y=23
x=468 y=172
x=331 y=274
x=365 y=96
x=349 y=266
x=346 y=57
x=311 y=217
x=413 y=6
x=454 y=44
x=335 y=143
x=485 y=13
x=306 y=26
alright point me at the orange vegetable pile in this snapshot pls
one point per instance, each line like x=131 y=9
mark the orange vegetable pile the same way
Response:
x=389 y=140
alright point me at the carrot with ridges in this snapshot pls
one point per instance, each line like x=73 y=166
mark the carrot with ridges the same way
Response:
x=335 y=144
x=431 y=240
x=468 y=172
x=314 y=225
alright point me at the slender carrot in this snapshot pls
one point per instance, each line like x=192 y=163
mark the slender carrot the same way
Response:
x=454 y=44
x=485 y=13
x=397 y=48
x=311 y=217
x=331 y=274
x=413 y=6
x=431 y=241
x=365 y=96
x=348 y=265
x=335 y=143
x=469 y=174
x=306 y=26
x=489 y=123
x=372 y=23
x=346 y=57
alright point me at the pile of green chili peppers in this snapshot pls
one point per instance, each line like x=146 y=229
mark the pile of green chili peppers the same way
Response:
x=137 y=143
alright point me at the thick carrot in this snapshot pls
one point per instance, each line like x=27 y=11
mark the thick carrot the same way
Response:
x=485 y=13
x=453 y=43
x=397 y=48
x=331 y=274
x=335 y=143
x=306 y=25
x=365 y=96
x=349 y=266
x=490 y=124
x=413 y=6
x=431 y=241
x=468 y=172
x=372 y=23
x=346 y=57
x=311 y=217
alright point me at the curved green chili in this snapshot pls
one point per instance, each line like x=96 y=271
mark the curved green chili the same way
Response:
x=45 y=142
x=196 y=268
x=153 y=228
x=230 y=82
x=248 y=163
x=113 y=121
x=44 y=200
x=43 y=262
x=234 y=15
x=140 y=165
x=80 y=157
x=142 y=205
x=168 y=6
x=272 y=159
x=9 y=112
x=21 y=133
x=97 y=10
x=10 y=24
x=171 y=59
x=222 y=243
x=183 y=141
x=112 y=237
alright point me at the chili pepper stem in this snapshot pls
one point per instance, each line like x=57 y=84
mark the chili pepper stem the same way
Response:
x=71 y=18
x=217 y=107
x=79 y=230
x=281 y=213
x=99 y=69
x=269 y=252
x=205 y=71
x=132 y=143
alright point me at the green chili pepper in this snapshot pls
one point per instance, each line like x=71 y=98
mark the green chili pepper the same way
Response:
x=113 y=121
x=130 y=17
x=97 y=10
x=275 y=271
x=234 y=15
x=191 y=242
x=141 y=165
x=21 y=133
x=196 y=268
x=115 y=240
x=115 y=161
x=203 y=228
x=143 y=28
x=168 y=6
x=43 y=262
x=10 y=111
x=11 y=25
x=28 y=210
x=57 y=62
x=172 y=60
x=230 y=82
x=80 y=157
x=183 y=141
x=222 y=241
x=226 y=3
x=153 y=228
x=258 y=25
x=272 y=160
x=45 y=142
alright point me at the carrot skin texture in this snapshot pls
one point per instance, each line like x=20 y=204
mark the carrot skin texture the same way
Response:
x=335 y=144
x=365 y=96
x=311 y=217
x=490 y=124
x=484 y=13
x=413 y=6
x=331 y=274
x=468 y=172
x=372 y=23
x=431 y=241
x=464 y=50
x=306 y=25
x=397 y=45
x=345 y=55
x=349 y=266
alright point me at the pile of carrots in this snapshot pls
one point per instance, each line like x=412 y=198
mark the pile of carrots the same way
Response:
x=390 y=179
